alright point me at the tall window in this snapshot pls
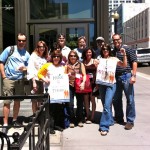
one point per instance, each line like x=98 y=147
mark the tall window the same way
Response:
x=61 y=9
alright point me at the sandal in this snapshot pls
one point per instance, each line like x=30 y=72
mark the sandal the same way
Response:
x=104 y=133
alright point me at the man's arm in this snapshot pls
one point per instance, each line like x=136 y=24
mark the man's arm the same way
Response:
x=2 y=70
x=134 y=69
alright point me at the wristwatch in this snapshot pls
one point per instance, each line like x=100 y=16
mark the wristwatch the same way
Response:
x=134 y=75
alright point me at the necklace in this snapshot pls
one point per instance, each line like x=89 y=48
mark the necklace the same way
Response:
x=106 y=70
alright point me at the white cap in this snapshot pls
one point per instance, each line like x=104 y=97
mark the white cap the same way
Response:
x=100 y=38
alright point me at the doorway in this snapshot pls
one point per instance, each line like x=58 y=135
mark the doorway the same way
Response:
x=49 y=32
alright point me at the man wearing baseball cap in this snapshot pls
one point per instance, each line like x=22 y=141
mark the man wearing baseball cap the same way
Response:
x=99 y=41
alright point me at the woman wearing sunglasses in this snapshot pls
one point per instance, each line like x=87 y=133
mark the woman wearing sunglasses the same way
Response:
x=36 y=60
x=74 y=67
x=56 y=109
x=107 y=84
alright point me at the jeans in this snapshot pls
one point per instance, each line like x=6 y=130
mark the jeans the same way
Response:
x=107 y=93
x=124 y=85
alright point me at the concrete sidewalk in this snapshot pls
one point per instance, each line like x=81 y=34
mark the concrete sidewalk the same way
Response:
x=89 y=138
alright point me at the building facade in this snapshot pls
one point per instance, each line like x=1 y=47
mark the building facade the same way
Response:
x=138 y=31
x=43 y=20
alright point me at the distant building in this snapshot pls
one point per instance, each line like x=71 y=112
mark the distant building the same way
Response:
x=113 y=6
x=127 y=11
x=138 y=32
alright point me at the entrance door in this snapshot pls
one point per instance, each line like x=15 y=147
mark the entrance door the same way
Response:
x=73 y=31
x=49 y=32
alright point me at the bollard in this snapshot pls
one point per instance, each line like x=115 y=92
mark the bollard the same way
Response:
x=15 y=144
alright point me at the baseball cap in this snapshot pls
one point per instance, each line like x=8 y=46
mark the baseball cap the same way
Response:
x=100 y=38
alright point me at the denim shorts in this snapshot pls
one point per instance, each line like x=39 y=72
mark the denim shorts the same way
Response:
x=12 y=87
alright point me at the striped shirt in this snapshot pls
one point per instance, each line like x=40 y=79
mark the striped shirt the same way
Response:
x=131 y=57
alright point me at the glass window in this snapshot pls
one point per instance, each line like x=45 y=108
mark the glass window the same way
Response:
x=61 y=9
x=91 y=34
x=77 y=9
x=72 y=35
x=44 y=9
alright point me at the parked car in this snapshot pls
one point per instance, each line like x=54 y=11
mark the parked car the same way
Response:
x=143 y=55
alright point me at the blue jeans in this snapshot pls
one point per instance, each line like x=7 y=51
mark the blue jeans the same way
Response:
x=124 y=85
x=107 y=93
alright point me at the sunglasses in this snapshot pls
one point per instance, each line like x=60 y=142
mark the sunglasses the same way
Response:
x=105 y=49
x=72 y=56
x=55 y=56
x=21 y=40
x=116 y=39
x=41 y=47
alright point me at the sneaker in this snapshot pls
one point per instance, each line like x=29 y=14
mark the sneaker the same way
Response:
x=129 y=126
x=4 y=130
x=16 y=124
x=104 y=133
x=58 y=128
x=88 y=122
x=52 y=131
x=80 y=124
x=71 y=125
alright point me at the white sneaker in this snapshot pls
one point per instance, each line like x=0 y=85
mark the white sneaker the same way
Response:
x=80 y=124
x=71 y=125
x=88 y=122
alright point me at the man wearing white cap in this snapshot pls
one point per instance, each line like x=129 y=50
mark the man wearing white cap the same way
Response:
x=99 y=41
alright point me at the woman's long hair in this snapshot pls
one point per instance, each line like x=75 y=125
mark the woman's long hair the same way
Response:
x=36 y=50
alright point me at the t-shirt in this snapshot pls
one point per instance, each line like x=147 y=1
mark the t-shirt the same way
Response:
x=15 y=61
x=35 y=63
x=65 y=51
x=79 y=52
x=106 y=71
x=49 y=69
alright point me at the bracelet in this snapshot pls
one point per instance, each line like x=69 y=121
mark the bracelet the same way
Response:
x=4 y=77
x=124 y=55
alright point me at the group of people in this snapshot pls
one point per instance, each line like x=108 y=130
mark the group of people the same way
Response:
x=118 y=74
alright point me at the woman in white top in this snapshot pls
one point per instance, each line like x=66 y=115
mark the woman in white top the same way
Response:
x=37 y=59
x=107 y=84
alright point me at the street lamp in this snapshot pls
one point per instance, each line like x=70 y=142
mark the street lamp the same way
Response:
x=116 y=17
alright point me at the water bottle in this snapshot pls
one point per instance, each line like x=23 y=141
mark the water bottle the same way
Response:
x=46 y=85
x=32 y=92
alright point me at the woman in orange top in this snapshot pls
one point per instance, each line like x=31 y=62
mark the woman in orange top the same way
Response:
x=74 y=67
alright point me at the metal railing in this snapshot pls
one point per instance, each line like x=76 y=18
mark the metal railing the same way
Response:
x=40 y=121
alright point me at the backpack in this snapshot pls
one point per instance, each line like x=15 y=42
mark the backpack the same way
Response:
x=10 y=53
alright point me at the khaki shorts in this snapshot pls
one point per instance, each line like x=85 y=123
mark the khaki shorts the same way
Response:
x=11 y=87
